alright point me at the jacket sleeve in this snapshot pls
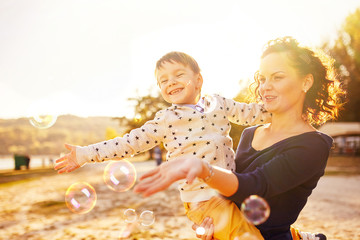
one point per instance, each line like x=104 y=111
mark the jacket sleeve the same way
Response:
x=138 y=140
x=245 y=114
x=290 y=169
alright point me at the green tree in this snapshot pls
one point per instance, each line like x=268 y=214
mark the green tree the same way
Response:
x=346 y=51
x=145 y=110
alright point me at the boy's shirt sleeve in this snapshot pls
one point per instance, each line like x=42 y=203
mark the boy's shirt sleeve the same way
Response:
x=246 y=114
x=137 y=140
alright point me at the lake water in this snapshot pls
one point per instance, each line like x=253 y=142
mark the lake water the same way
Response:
x=7 y=162
x=36 y=161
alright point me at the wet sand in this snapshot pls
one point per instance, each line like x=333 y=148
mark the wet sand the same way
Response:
x=34 y=209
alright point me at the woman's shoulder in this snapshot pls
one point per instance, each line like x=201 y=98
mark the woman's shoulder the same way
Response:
x=319 y=136
x=252 y=129
x=311 y=140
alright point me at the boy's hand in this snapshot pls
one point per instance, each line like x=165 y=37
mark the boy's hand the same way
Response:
x=208 y=226
x=68 y=162
x=161 y=177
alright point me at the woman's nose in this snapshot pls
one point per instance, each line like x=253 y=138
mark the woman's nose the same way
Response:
x=265 y=85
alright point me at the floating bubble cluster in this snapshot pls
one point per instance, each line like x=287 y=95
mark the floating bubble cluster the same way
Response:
x=255 y=209
x=80 y=197
x=120 y=176
x=146 y=218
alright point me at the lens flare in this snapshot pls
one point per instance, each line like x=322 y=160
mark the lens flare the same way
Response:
x=210 y=104
x=200 y=231
x=255 y=209
x=120 y=176
x=80 y=197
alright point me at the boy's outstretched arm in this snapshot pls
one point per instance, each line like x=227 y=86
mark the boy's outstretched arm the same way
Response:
x=68 y=162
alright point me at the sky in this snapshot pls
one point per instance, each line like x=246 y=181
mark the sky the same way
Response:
x=87 y=57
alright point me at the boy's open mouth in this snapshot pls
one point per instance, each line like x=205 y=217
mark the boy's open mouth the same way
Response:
x=175 y=91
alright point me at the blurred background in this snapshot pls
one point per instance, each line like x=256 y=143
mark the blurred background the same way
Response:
x=91 y=63
x=79 y=72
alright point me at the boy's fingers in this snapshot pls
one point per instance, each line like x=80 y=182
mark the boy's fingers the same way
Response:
x=210 y=232
x=192 y=174
x=60 y=165
x=68 y=146
x=62 y=170
x=149 y=173
x=70 y=169
x=194 y=226
x=61 y=159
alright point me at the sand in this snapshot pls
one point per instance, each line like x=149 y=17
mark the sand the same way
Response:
x=34 y=209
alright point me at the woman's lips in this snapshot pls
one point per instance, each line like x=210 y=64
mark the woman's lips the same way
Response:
x=269 y=98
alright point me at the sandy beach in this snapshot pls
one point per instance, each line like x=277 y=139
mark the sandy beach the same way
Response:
x=34 y=209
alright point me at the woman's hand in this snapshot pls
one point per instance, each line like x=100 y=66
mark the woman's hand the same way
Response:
x=167 y=173
x=207 y=227
x=68 y=162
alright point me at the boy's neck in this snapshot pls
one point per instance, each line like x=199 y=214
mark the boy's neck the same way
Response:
x=195 y=102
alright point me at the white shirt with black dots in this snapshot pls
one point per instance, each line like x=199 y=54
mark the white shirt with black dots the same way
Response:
x=186 y=131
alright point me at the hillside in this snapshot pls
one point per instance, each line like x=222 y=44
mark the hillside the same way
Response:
x=19 y=136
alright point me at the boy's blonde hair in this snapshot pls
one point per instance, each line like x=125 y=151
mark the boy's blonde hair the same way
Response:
x=178 y=57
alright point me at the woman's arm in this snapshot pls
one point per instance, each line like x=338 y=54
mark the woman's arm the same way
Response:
x=167 y=173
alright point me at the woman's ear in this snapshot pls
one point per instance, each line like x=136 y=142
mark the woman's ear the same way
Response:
x=308 y=82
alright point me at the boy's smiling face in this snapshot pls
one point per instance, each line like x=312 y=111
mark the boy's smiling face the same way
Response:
x=178 y=83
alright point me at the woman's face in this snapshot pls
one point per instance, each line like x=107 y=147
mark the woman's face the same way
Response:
x=281 y=89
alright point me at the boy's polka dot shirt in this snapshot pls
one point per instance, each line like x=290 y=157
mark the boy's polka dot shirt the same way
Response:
x=200 y=131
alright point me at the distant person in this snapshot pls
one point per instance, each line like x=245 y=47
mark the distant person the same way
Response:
x=194 y=126
x=281 y=161
x=21 y=160
x=157 y=155
x=27 y=161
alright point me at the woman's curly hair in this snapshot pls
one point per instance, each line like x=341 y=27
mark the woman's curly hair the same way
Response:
x=324 y=99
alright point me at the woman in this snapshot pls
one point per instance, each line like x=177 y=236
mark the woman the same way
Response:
x=281 y=161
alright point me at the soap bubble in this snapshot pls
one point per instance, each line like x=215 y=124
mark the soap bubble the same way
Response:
x=147 y=218
x=130 y=215
x=80 y=197
x=255 y=209
x=120 y=176
x=42 y=121
x=41 y=113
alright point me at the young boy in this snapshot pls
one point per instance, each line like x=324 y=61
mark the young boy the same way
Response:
x=194 y=126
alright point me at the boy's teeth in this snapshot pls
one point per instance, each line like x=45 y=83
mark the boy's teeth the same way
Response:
x=174 y=91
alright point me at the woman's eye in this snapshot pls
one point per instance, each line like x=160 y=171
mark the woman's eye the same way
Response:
x=261 y=80
x=179 y=75
x=163 y=81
